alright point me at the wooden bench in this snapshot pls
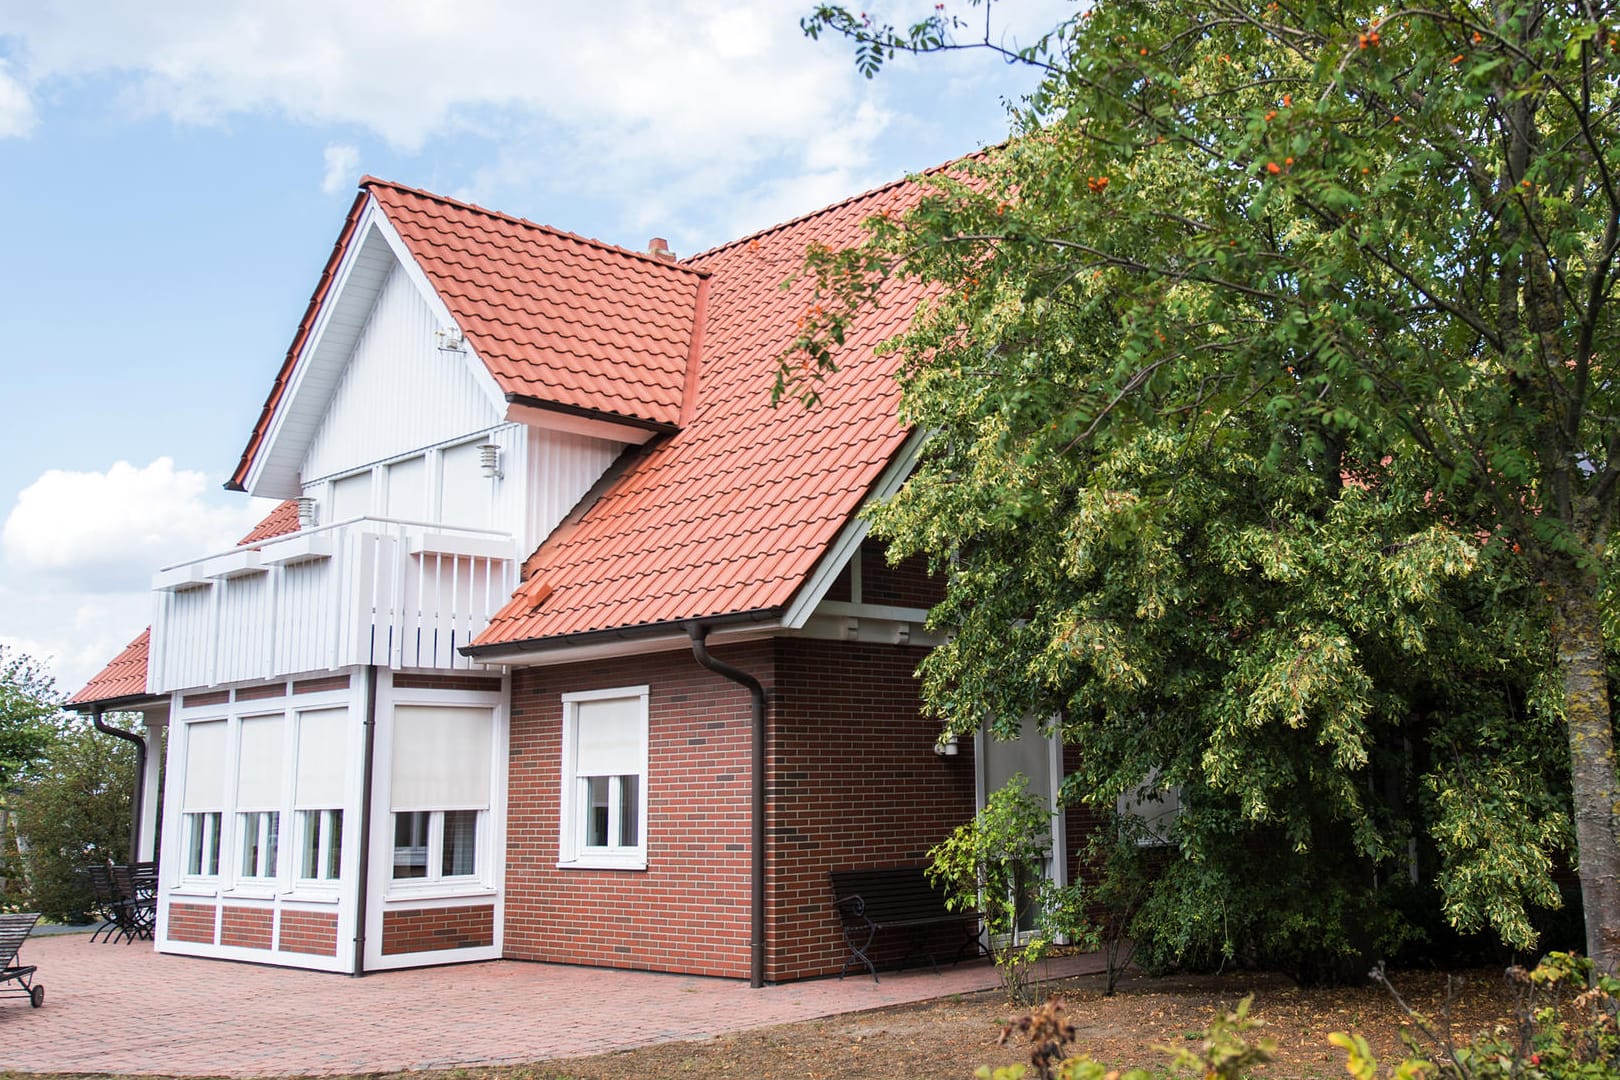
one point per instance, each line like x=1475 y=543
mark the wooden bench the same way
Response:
x=895 y=898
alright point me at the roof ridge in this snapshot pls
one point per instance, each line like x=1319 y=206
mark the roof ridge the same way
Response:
x=368 y=181
x=843 y=203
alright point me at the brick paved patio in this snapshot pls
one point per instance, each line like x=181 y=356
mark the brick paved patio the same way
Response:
x=125 y=1009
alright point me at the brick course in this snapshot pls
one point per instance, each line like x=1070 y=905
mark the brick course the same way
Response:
x=316 y=686
x=447 y=682
x=430 y=929
x=313 y=932
x=246 y=927
x=192 y=922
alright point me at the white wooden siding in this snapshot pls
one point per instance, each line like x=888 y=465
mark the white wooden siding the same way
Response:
x=398 y=391
x=560 y=469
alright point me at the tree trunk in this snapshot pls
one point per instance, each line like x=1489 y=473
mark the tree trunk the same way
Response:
x=1593 y=777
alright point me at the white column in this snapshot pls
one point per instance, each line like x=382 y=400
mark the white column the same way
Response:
x=150 y=782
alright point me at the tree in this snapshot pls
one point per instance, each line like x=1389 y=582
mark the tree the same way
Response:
x=28 y=709
x=74 y=810
x=1275 y=439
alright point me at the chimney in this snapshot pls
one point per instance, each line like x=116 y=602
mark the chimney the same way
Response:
x=658 y=248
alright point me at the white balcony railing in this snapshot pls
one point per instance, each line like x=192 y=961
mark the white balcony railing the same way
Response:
x=399 y=594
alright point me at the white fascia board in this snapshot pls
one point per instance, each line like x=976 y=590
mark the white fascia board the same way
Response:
x=613 y=649
x=849 y=541
x=302 y=362
x=435 y=302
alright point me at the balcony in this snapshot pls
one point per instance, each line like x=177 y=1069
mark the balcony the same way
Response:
x=399 y=594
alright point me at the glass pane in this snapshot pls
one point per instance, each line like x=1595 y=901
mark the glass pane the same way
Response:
x=596 y=811
x=250 y=844
x=410 y=844
x=460 y=843
x=334 y=845
x=629 y=810
x=194 y=843
x=309 y=858
x=272 y=845
x=211 y=863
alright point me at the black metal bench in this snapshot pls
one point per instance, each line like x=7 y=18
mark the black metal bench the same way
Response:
x=14 y=930
x=896 y=898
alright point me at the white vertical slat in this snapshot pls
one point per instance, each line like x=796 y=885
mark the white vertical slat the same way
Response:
x=398 y=392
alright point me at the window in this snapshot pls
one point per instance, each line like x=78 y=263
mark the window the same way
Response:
x=1148 y=812
x=318 y=790
x=262 y=752
x=203 y=798
x=261 y=837
x=440 y=791
x=320 y=854
x=436 y=844
x=604 y=779
x=202 y=844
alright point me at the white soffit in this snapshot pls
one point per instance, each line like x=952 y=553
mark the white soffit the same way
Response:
x=374 y=250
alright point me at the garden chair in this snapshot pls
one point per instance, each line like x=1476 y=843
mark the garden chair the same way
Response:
x=14 y=930
x=109 y=905
x=136 y=887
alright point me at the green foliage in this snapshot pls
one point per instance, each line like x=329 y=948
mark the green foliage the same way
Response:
x=1223 y=1049
x=1566 y=1031
x=1272 y=447
x=994 y=865
x=74 y=810
x=28 y=711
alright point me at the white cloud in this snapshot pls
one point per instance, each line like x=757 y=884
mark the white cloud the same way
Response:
x=16 y=109
x=74 y=635
x=342 y=167
x=108 y=531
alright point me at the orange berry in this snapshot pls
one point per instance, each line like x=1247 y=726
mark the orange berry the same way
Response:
x=1288 y=99
x=1270 y=116
x=1273 y=168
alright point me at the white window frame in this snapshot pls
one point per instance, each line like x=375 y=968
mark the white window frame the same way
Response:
x=1156 y=807
x=262 y=827
x=572 y=850
x=435 y=875
x=202 y=844
x=328 y=836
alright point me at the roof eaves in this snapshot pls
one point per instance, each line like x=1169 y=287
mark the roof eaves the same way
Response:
x=637 y=632
x=607 y=416
x=279 y=387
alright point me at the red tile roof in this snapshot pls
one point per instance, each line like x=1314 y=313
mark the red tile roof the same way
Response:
x=124 y=677
x=731 y=514
x=558 y=319
x=279 y=522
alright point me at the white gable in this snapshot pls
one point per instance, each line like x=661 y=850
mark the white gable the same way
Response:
x=399 y=391
x=397 y=346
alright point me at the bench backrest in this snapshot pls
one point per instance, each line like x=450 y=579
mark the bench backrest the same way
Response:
x=14 y=930
x=894 y=892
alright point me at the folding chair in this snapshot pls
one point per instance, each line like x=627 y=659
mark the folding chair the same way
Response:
x=14 y=930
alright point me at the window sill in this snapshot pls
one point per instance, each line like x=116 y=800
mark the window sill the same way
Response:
x=434 y=890
x=604 y=862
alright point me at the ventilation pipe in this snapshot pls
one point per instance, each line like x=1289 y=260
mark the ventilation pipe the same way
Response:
x=140 y=779
x=756 y=742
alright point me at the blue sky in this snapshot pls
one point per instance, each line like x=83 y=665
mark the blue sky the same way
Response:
x=173 y=174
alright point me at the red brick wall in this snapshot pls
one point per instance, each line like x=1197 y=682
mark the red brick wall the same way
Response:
x=906 y=585
x=309 y=932
x=245 y=927
x=855 y=783
x=688 y=911
x=191 y=922
x=316 y=686
x=430 y=929
x=447 y=682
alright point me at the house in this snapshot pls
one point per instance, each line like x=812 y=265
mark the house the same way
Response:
x=563 y=644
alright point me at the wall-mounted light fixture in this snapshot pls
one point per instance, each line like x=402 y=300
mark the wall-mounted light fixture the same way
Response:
x=306 y=512
x=947 y=746
x=489 y=460
x=451 y=339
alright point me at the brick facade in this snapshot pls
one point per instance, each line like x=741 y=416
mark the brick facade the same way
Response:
x=312 y=932
x=246 y=927
x=436 y=681
x=853 y=781
x=192 y=922
x=432 y=929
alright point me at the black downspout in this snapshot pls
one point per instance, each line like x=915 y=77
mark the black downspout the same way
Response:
x=756 y=867
x=364 y=861
x=140 y=780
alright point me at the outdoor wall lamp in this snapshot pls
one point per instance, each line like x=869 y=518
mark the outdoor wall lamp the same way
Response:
x=947 y=746
x=306 y=512
x=489 y=460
